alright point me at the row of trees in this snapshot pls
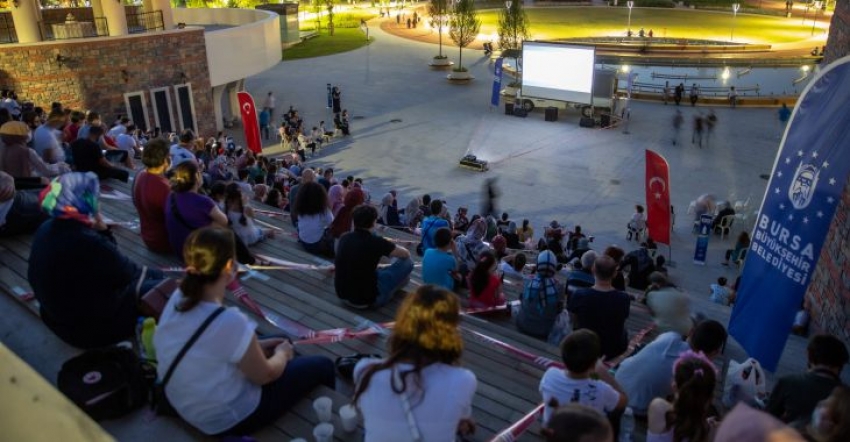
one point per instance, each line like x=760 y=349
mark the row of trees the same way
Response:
x=464 y=24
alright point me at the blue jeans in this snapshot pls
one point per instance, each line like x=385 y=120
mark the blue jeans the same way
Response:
x=301 y=375
x=391 y=279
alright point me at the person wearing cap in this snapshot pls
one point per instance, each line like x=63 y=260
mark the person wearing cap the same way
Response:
x=602 y=308
x=46 y=139
x=88 y=299
x=20 y=161
x=19 y=209
x=541 y=300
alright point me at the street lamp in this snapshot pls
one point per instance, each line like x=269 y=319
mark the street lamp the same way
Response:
x=630 y=4
x=735 y=8
x=818 y=5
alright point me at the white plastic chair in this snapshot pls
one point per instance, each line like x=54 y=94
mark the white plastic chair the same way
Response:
x=725 y=225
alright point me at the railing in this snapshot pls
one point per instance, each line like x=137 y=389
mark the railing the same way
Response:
x=144 y=22
x=62 y=30
x=7 y=29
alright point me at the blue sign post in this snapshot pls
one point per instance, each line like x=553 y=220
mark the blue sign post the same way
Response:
x=701 y=249
x=805 y=188
x=497 y=83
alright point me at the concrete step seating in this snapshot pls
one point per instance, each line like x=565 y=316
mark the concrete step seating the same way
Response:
x=507 y=385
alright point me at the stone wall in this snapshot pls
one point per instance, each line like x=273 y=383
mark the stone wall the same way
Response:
x=828 y=295
x=93 y=78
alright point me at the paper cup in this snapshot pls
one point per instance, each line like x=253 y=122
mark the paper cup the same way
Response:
x=323 y=407
x=348 y=416
x=324 y=432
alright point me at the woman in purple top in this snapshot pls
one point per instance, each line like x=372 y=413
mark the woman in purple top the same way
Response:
x=187 y=210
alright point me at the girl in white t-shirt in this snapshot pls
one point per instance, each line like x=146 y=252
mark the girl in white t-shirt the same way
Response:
x=418 y=392
x=686 y=418
x=637 y=224
x=228 y=382
x=241 y=216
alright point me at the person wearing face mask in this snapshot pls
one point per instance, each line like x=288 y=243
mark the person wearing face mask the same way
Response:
x=228 y=382
x=20 y=161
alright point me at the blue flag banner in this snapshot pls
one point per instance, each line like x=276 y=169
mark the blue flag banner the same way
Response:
x=805 y=186
x=497 y=82
x=701 y=249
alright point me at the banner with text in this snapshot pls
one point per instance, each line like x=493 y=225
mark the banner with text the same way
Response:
x=657 y=198
x=250 y=122
x=805 y=186
x=497 y=82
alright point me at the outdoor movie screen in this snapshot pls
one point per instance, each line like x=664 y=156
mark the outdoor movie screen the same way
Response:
x=557 y=71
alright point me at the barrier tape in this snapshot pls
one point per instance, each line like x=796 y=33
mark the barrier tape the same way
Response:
x=271 y=212
x=511 y=433
x=271 y=226
x=289 y=265
x=530 y=357
x=363 y=329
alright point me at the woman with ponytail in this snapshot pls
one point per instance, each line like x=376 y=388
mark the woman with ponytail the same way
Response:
x=228 y=382
x=419 y=392
x=686 y=418
x=241 y=216
x=484 y=285
x=186 y=209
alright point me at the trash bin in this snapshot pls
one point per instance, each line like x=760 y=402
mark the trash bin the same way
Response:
x=509 y=108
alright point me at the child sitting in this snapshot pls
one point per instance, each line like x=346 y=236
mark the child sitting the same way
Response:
x=580 y=352
x=686 y=417
x=439 y=266
x=484 y=285
x=513 y=265
x=720 y=293
x=241 y=217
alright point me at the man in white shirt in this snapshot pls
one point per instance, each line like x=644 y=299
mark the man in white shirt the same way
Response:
x=47 y=138
x=270 y=104
x=129 y=142
x=119 y=128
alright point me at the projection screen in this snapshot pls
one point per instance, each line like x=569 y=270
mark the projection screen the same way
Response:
x=557 y=71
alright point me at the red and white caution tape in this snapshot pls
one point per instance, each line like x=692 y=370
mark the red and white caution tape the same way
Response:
x=522 y=354
x=271 y=213
x=289 y=265
x=511 y=433
x=364 y=329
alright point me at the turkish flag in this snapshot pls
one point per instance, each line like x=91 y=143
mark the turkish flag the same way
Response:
x=250 y=121
x=657 y=197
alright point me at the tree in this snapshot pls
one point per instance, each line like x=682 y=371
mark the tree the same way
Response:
x=465 y=25
x=437 y=11
x=329 y=5
x=513 y=26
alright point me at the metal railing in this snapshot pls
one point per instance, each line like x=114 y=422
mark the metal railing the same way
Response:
x=144 y=22
x=7 y=29
x=62 y=30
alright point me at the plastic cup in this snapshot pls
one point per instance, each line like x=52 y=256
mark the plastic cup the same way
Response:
x=323 y=408
x=348 y=416
x=324 y=432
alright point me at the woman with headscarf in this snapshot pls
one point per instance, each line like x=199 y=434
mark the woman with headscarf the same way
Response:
x=471 y=245
x=388 y=214
x=21 y=161
x=413 y=214
x=342 y=221
x=419 y=392
x=336 y=197
x=87 y=289
x=541 y=300
x=511 y=236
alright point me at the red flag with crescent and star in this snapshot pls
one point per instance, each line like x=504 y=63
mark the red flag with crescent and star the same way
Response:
x=657 y=197
x=250 y=121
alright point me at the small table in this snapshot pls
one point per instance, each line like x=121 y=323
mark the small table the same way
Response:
x=63 y=31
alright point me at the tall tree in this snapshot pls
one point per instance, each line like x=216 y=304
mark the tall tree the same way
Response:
x=329 y=5
x=513 y=26
x=437 y=11
x=465 y=25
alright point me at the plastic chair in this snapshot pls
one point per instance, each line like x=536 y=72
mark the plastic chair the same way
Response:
x=725 y=226
x=742 y=255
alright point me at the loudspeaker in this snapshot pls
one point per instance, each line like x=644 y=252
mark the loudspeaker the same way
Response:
x=509 y=108
x=606 y=120
x=586 y=122
x=551 y=113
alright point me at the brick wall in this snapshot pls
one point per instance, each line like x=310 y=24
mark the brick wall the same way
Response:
x=93 y=78
x=838 y=44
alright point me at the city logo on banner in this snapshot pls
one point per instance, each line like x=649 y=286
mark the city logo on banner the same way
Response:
x=797 y=175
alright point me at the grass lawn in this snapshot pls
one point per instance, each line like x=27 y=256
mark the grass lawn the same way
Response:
x=555 y=23
x=343 y=40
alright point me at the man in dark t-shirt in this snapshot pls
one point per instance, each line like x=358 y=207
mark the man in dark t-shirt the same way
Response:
x=88 y=157
x=357 y=279
x=795 y=397
x=602 y=309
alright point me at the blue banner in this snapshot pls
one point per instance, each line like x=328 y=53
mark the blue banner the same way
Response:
x=497 y=82
x=805 y=187
x=701 y=249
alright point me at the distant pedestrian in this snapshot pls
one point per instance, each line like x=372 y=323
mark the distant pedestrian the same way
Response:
x=490 y=198
x=408 y=23
x=698 y=127
x=680 y=91
x=336 y=100
x=733 y=97
x=641 y=33
x=666 y=92
x=784 y=114
x=415 y=17
x=650 y=33
x=270 y=104
x=678 y=120
x=710 y=124
x=694 y=94
x=398 y=19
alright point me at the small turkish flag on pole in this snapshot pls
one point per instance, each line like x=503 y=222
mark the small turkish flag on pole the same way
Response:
x=658 y=197
x=250 y=121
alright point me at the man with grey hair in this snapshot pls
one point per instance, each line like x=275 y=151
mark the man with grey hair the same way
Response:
x=602 y=308
x=582 y=277
x=307 y=176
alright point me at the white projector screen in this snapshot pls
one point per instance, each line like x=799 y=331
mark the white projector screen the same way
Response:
x=557 y=71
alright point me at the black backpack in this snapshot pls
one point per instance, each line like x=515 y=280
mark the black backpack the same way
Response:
x=107 y=383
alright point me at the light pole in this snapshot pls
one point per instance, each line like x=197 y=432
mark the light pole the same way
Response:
x=818 y=5
x=630 y=4
x=735 y=8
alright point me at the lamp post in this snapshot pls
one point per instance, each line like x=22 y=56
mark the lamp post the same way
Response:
x=818 y=5
x=735 y=8
x=630 y=4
